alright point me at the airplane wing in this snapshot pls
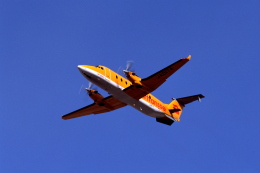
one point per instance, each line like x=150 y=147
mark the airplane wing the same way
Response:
x=154 y=81
x=135 y=92
x=157 y=79
x=111 y=103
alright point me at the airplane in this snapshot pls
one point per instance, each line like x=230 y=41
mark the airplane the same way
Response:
x=133 y=91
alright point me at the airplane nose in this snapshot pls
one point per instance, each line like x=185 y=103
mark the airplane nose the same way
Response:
x=81 y=68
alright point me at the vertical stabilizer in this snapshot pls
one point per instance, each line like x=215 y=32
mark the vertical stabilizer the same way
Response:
x=175 y=108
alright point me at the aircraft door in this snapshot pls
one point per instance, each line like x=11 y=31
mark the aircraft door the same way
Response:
x=108 y=73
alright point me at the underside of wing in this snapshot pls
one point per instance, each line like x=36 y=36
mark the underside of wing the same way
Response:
x=113 y=102
x=154 y=81
x=135 y=92
x=157 y=79
x=110 y=104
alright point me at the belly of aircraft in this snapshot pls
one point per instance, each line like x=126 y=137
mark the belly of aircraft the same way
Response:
x=139 y=105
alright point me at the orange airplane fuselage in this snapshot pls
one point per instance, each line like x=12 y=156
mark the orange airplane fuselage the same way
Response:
x=114 y=83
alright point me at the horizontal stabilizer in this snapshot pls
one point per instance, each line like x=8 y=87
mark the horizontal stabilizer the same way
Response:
x=187 y=100
x=165 y=121
x=174 y=110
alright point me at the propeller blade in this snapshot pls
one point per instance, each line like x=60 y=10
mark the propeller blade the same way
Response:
x=119 y=69
x=83 y=93
x=128 y=65
x=82 y=90
x=90 y=85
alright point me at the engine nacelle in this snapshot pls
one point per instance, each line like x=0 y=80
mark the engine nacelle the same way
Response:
x=94 y=95
x=98 y=98
x=136 y=80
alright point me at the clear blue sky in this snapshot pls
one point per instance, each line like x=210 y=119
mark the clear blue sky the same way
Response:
x=42 y=42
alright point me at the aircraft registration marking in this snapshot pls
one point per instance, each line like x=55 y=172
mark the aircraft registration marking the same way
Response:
x=164 y=72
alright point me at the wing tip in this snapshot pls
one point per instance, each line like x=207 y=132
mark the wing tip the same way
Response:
x=64 y=117
x=201 y=96
x=189 y=57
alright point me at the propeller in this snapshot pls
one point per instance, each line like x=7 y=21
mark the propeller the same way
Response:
x=82 y=89
x=90 y=85
x=83 y=93
x=88 y=90
x=120 y=70
x=128 y=65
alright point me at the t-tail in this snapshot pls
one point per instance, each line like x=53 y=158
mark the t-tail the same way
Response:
x=176 y=107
